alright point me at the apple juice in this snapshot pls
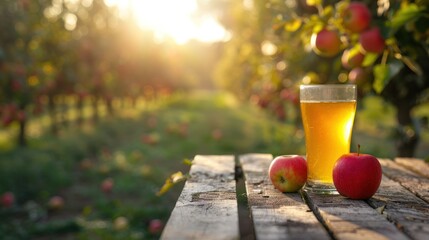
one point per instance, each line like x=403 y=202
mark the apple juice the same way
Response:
x=328 y=127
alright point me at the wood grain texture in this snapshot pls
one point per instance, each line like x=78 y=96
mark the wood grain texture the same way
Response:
x=416 y=165
x=276 y=215
x=409 y=212
x=415 y=183
x=207 y=206
x=352 y=219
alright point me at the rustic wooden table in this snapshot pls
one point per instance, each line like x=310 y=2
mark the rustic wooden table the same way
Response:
x=211 y=205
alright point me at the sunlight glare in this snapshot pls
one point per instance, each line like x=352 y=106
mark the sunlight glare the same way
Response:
x=173 y=19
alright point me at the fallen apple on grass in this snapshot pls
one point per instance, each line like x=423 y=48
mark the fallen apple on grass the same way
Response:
x=357 y=175
x=56 y=203
x=155 y=226
x=7 y=199
x=288 y=173
x=107 y=185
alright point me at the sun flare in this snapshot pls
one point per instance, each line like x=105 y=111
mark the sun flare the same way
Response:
x=173 y=19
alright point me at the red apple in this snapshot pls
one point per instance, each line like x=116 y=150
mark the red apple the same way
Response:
x=326 y=43
x=288 y=173
x=107 y=185
x=280 y=112
x=372 y=41
x=7 y=199
x=357 y=176
x=55 y=203
x=151 y=139
x=155 y=226
x=183 y=129
x=351 y=59
x=356 y=17
x=358 y=76
x=86 y=164
x=217 y=134
x=6 y=120
x=20 y=116
x=152 y=122
x=16 y=86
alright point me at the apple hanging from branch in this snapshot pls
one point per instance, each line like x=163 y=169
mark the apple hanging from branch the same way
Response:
x=356 y=17
x=326 y=43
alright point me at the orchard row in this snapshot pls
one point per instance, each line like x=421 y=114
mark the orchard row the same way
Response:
x=103 y=57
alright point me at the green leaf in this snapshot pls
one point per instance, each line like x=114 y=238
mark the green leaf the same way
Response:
x=328 y=11
x=356 y=49
x=405 y=14
x=383 y=73
x=171 y=181
x=187 y=161
x=167 y=185
x=293 y=25
x=369 y=59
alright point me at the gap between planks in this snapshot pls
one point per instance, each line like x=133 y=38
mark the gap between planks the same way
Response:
x=342 y=217
x=393 y=210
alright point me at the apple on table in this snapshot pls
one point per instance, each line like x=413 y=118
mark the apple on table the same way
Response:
x=288 y=173
x=357 y=175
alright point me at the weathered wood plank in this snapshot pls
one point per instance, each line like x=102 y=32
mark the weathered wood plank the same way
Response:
x=406 y=210
x=414 y=183
x=416 y=165
x=207 y=207
x=351 y=219
x=276 y=215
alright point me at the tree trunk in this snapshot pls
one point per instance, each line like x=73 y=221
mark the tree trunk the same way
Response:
x=79 y=109
x=95 y=113
x=408 y=132
x=109 y=105
x=52 y=114
x=64 y=111
x=22 y=140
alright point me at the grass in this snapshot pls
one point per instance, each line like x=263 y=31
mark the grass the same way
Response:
x=139 y=149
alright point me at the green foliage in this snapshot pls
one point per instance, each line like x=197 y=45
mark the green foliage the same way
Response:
x=407 y=14
x=84 y=49
x=383 y=73
x=398 y=69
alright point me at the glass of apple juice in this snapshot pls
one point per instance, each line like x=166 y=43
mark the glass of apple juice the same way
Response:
x=328 y=112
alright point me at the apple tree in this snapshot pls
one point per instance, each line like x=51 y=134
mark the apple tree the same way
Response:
x=20 y=70
x=383 y=48
x=256 y=64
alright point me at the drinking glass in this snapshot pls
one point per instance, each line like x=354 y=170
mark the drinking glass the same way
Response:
x=328 y=113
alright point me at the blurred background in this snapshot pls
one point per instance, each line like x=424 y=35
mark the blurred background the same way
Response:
x=101 y=101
